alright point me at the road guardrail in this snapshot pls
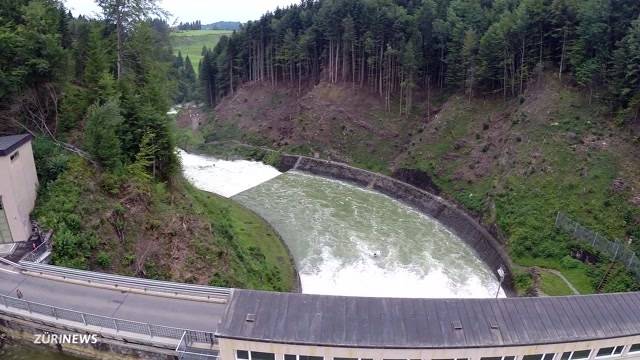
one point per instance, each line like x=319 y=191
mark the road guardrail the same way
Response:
x=125 y=282
x=105 y=322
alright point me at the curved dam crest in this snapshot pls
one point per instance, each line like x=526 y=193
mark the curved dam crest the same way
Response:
x=349 y=240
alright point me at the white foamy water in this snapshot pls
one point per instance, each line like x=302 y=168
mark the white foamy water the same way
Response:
x=225 y=178
x=347 y=240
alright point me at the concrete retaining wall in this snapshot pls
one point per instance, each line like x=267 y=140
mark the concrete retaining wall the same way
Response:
x=455 y=219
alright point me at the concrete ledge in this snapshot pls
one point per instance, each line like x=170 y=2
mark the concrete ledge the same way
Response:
x=457 y=220
x=126 y=289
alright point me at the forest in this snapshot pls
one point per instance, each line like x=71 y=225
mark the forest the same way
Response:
x=94 y=93
x=397 y=47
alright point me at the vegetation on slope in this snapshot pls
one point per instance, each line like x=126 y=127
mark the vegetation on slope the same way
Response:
x=516 y=109
x=191 y=42
x=116 y=201
x=127 y=224
x=513 y=164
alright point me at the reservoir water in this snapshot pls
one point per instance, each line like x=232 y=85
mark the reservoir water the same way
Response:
x=351 y=241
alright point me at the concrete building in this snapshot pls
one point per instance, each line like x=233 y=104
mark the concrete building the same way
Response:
x=285 y=326
x=18 y=188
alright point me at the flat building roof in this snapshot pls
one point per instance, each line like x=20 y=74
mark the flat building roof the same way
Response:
x=9 y=143
x=393 y=323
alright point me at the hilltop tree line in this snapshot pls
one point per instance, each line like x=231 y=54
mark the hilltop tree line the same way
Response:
x=195 y=25
x=397 y=47
x=99 y=84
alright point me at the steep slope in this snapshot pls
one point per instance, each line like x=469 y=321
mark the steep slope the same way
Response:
x=115 y=223
x=336 y=121
x=514 y=164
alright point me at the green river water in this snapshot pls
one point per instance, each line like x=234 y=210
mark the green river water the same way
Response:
x=351 y=241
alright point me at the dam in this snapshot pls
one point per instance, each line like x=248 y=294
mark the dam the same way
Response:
x=349 y=240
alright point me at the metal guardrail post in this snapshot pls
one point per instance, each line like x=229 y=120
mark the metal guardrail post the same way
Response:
x=150 y=332
x=28 y=307
x=55 y=313
x=84 y=320
x=115 y=325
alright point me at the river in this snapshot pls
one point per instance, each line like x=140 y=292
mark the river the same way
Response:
x=347 y=240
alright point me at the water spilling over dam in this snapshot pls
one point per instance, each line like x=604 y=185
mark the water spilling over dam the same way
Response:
x=351 y=241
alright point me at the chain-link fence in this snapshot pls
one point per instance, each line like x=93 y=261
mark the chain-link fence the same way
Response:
x=616 y=249
x=104 y=322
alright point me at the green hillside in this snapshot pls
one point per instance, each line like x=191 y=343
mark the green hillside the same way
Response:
x=190 y=43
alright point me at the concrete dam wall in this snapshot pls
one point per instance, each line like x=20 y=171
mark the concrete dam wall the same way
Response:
x=458 y=221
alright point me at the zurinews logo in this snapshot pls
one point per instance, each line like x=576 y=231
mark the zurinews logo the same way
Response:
x=54 y=339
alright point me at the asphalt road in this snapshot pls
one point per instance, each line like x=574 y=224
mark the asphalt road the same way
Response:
x=187 y=314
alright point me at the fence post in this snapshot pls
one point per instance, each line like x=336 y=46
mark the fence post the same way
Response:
x=557 y=218
x=55 y=313
x=115 y=325
x=28 y=306
x=84 y=320
x=617 y=248
x=594 y=240
x=150 y=332
x=6 y=304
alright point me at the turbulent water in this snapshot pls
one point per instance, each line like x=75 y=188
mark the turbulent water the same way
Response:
x=223 y=177
x=350 y=241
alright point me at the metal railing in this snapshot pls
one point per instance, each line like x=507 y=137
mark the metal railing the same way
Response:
x=616 y=249
x=186 y=351
x=105 y=322
x=119 y=281
x=36 y=253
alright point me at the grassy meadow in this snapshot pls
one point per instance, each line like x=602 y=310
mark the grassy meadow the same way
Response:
x=190 y=43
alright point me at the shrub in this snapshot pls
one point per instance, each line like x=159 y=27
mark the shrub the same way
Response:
x=100 y=134
x=104 y=259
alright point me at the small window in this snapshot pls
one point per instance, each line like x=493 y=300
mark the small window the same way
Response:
x=306 y=357
x=290 y=357
x=635 y=348
x=576 y=355
x=610 y=351
x=256 y=355
x=242 y=355
x=14 y=156
x=548 y=356
x=339 y=358
x=532 y=357
x=499 y=358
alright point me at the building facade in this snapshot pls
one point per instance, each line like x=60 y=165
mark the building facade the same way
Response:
x=279 y=326
x=18 y=188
